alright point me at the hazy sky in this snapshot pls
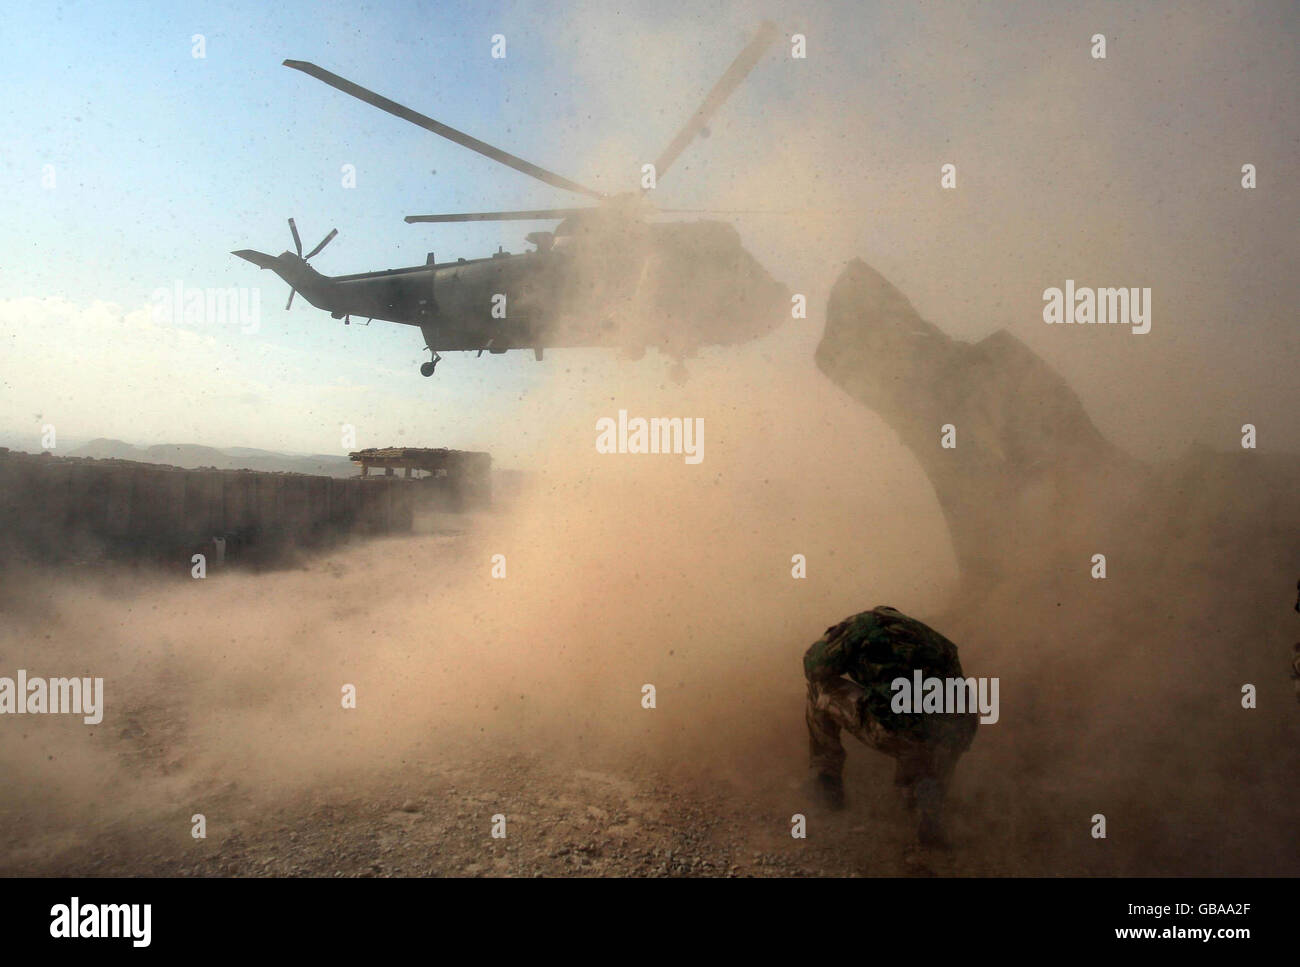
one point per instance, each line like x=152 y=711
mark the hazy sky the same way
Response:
x=1115 y=172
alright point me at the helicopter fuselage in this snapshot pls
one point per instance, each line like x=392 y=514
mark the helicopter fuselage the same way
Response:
x=466 y=304
x=674 y=286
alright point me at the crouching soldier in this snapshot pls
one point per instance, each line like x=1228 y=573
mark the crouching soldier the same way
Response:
x=873 y=649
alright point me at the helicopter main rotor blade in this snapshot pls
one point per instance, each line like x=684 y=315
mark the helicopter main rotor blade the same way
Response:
x=732 y=211
x=521 y=216
x=297 y=242
x=451 y=134
x=323 y=242
x=739 y=69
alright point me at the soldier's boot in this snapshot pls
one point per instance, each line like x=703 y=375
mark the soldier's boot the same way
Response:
x=830 y=790
x=905 y=783
x=930 y=832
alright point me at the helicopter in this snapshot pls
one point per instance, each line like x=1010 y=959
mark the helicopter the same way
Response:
x=606 y=276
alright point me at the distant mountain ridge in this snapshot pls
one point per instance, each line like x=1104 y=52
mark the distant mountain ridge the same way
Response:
x=190 y=456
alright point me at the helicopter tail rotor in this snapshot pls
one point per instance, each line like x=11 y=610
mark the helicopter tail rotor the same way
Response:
x=297 y=244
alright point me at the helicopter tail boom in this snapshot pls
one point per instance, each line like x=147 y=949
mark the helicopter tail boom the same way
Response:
x=260 y=259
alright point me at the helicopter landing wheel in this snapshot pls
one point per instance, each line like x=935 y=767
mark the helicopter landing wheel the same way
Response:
x=426 y=369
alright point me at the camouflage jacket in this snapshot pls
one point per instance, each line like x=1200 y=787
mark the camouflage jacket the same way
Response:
x=874 y=648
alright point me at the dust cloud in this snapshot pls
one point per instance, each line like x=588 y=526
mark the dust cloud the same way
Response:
x=621 y=570
x=1118 y=697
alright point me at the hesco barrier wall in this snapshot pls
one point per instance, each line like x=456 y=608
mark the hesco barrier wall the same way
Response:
x=62 y=508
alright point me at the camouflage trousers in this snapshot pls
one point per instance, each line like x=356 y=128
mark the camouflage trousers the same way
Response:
x=925 y=767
